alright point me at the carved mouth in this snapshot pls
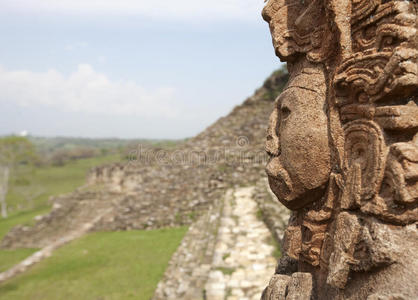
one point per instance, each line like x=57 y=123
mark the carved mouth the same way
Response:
x=279 y=179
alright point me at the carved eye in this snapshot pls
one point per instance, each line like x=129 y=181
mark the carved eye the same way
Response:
x=285 y=112
x=388 y=41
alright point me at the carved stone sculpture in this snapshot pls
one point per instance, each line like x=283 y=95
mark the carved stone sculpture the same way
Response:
x=343 y=146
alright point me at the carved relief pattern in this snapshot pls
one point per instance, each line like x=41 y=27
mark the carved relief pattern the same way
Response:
x=369 y=49
x=374 y=85
x=293 y=36
x=363 y=162
x=384 y=58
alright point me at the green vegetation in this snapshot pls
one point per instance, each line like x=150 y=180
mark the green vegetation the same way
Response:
x=193 y=215
x=15 y=150
x=43 y=167
x=105 y=265
x=32 y=181
x=20 y=218
x=8 y=258
x=111 y=265
x=275 y=87
x=259 y=215
x=32 y=189
x=44 y=182
x=277 y=253
x=228 y=293
x=226 y=271
x=104 y=146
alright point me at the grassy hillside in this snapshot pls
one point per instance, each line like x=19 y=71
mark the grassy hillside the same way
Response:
x=45 y=181
x=106 y=265
x=50 y=181
x=110 y=145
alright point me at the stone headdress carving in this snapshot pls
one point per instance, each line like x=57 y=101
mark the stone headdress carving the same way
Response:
x=356 y=233
x=298 y=27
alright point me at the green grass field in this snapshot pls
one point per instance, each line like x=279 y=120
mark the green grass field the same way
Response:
x=51 y=181
x=8 y=258
x=105 y=265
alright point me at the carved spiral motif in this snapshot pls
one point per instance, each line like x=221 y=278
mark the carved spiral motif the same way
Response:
x=365 y=147
x=362 y=8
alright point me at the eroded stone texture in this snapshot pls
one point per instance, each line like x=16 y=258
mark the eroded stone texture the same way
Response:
x=343 y=144
x=227 y=254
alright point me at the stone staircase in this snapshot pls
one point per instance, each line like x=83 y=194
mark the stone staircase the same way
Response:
x=226 y=255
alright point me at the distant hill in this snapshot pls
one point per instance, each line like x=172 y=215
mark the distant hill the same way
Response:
x=50 y=144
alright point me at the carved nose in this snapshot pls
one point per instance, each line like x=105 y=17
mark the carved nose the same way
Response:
x=266 y=13
x=272 y=143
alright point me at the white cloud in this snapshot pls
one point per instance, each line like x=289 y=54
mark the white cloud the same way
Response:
x=85 y=90
x=171 y=9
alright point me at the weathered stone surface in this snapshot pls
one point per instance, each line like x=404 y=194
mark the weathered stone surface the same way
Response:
x=243 y=257
x=343 y=146
x=300 y=287
x=277 y=288
x=189 y=267
x=226 y=254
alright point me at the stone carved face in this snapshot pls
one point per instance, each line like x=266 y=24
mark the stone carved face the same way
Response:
x=369 y=48
x=297 y=140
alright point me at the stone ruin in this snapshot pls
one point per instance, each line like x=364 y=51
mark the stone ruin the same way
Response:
x=343 y=148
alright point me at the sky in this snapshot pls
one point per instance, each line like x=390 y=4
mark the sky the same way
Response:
x=128 y=68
